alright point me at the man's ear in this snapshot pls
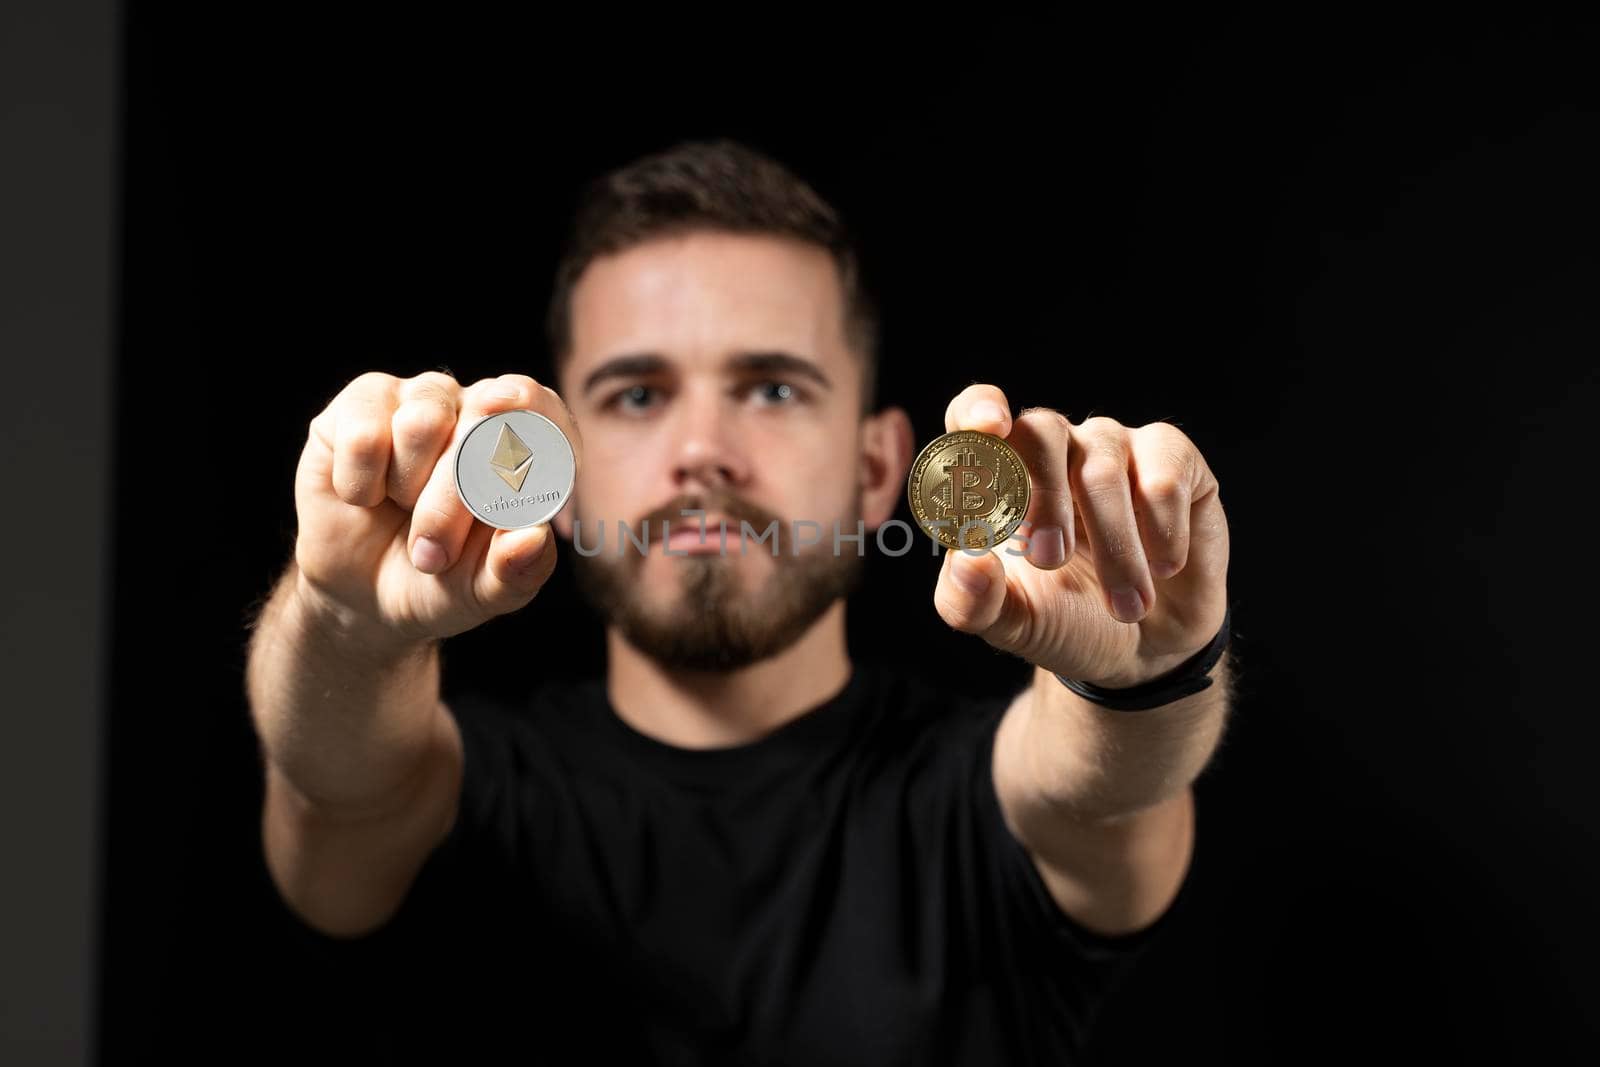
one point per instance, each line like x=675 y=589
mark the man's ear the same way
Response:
x=886 y=453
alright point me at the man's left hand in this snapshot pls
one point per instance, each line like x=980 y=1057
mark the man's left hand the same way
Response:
x=1125 y=571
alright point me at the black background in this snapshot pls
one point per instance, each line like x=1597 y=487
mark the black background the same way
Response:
x=1352 y=254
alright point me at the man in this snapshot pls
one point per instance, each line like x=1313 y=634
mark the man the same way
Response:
x=738 y=846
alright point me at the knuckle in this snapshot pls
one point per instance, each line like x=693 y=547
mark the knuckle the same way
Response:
x=1102 y=474
x=1111 y=454
x=1183 y=462
x=1165 y=488
x=357 y=489
x=434 y=387
x=433 y=379
x=1116 y=545
x=957 y=618
x=525 y=576
x=1103 y=425
x=1160 y=524
x=493 y=388
x=429 y=519
x=1105 y=438
x=1170 y=436
x=1052 y=500
x=1171 y=447
x=421 y=420
x=369 y=382
x=362 y=443
x=1050 y=417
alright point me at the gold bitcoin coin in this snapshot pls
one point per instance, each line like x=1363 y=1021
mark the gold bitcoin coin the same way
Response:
x=968 y=489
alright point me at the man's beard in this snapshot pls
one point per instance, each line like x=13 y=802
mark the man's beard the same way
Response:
x=714 y=623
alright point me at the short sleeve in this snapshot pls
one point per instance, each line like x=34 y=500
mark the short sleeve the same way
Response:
x=407 y=991
x=472 y=857
x=1079 y=967
x=483 y=838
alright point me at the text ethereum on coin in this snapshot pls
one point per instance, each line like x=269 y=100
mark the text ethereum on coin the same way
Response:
x=514 y=469
x=968 y=489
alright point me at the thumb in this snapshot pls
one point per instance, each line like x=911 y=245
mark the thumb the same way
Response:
x=514 y=567
x=971 y=593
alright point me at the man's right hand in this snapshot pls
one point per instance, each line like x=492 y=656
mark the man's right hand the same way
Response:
x=385 y=548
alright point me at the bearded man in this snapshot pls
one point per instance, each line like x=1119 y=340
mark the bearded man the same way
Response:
x=737 y=846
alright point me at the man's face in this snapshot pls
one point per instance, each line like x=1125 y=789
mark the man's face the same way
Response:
x=710 y=370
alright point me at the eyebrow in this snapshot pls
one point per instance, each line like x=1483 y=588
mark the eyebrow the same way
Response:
x=629 y=366
x=642 y=363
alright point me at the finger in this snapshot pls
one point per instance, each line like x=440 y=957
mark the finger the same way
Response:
x=511 y=391
x=979 y=407
x=322 y=512
x=971 y=593
x=1207 y=565
x=1167 y=475
x=361 y=414
x=1042 y=439
x=440 y=521
x=514 y=565
x=421 y=429
x=554 y=408
x=1196 y=595
x=1098 y=465
x=975 y=596
x=313 y=478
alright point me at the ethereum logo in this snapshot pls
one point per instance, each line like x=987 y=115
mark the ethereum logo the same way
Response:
x=512 y=459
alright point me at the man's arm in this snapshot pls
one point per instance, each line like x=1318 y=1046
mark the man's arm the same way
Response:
x=1124 y=577
x=363 y=760
x=1102 y=799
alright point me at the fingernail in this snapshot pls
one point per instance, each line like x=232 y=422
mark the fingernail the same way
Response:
x=985 y=411
x=1127 y=605
x=968 y=578
x=1163 y=569
x=1048 y=546
x=506 y=390
x=428 y=556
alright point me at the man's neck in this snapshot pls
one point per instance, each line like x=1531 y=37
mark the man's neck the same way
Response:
x=717 y=709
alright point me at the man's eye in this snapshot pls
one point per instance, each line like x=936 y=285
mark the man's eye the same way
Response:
x=775 y=392
x=632 y=398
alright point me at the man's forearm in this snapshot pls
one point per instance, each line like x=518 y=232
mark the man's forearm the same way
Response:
x=346 y=718
x=1098 y=763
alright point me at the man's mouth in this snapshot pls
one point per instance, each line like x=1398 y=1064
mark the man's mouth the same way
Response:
x=688 y=536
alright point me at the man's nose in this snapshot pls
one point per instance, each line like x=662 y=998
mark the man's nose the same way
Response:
x=706 y=449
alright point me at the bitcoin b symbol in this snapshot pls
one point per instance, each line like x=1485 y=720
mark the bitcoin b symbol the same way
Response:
x=971 y=489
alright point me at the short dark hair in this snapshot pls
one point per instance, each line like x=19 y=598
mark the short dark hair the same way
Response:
x=718 y=185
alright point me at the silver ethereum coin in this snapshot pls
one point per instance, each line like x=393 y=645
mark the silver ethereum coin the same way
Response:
x=514 y=469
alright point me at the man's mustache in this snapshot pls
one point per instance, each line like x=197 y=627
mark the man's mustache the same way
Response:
x=735 y=509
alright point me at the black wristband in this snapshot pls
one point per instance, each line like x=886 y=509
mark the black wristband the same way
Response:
x=1185 y=679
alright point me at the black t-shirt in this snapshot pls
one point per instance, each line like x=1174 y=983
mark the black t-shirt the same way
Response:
x=841 y=891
